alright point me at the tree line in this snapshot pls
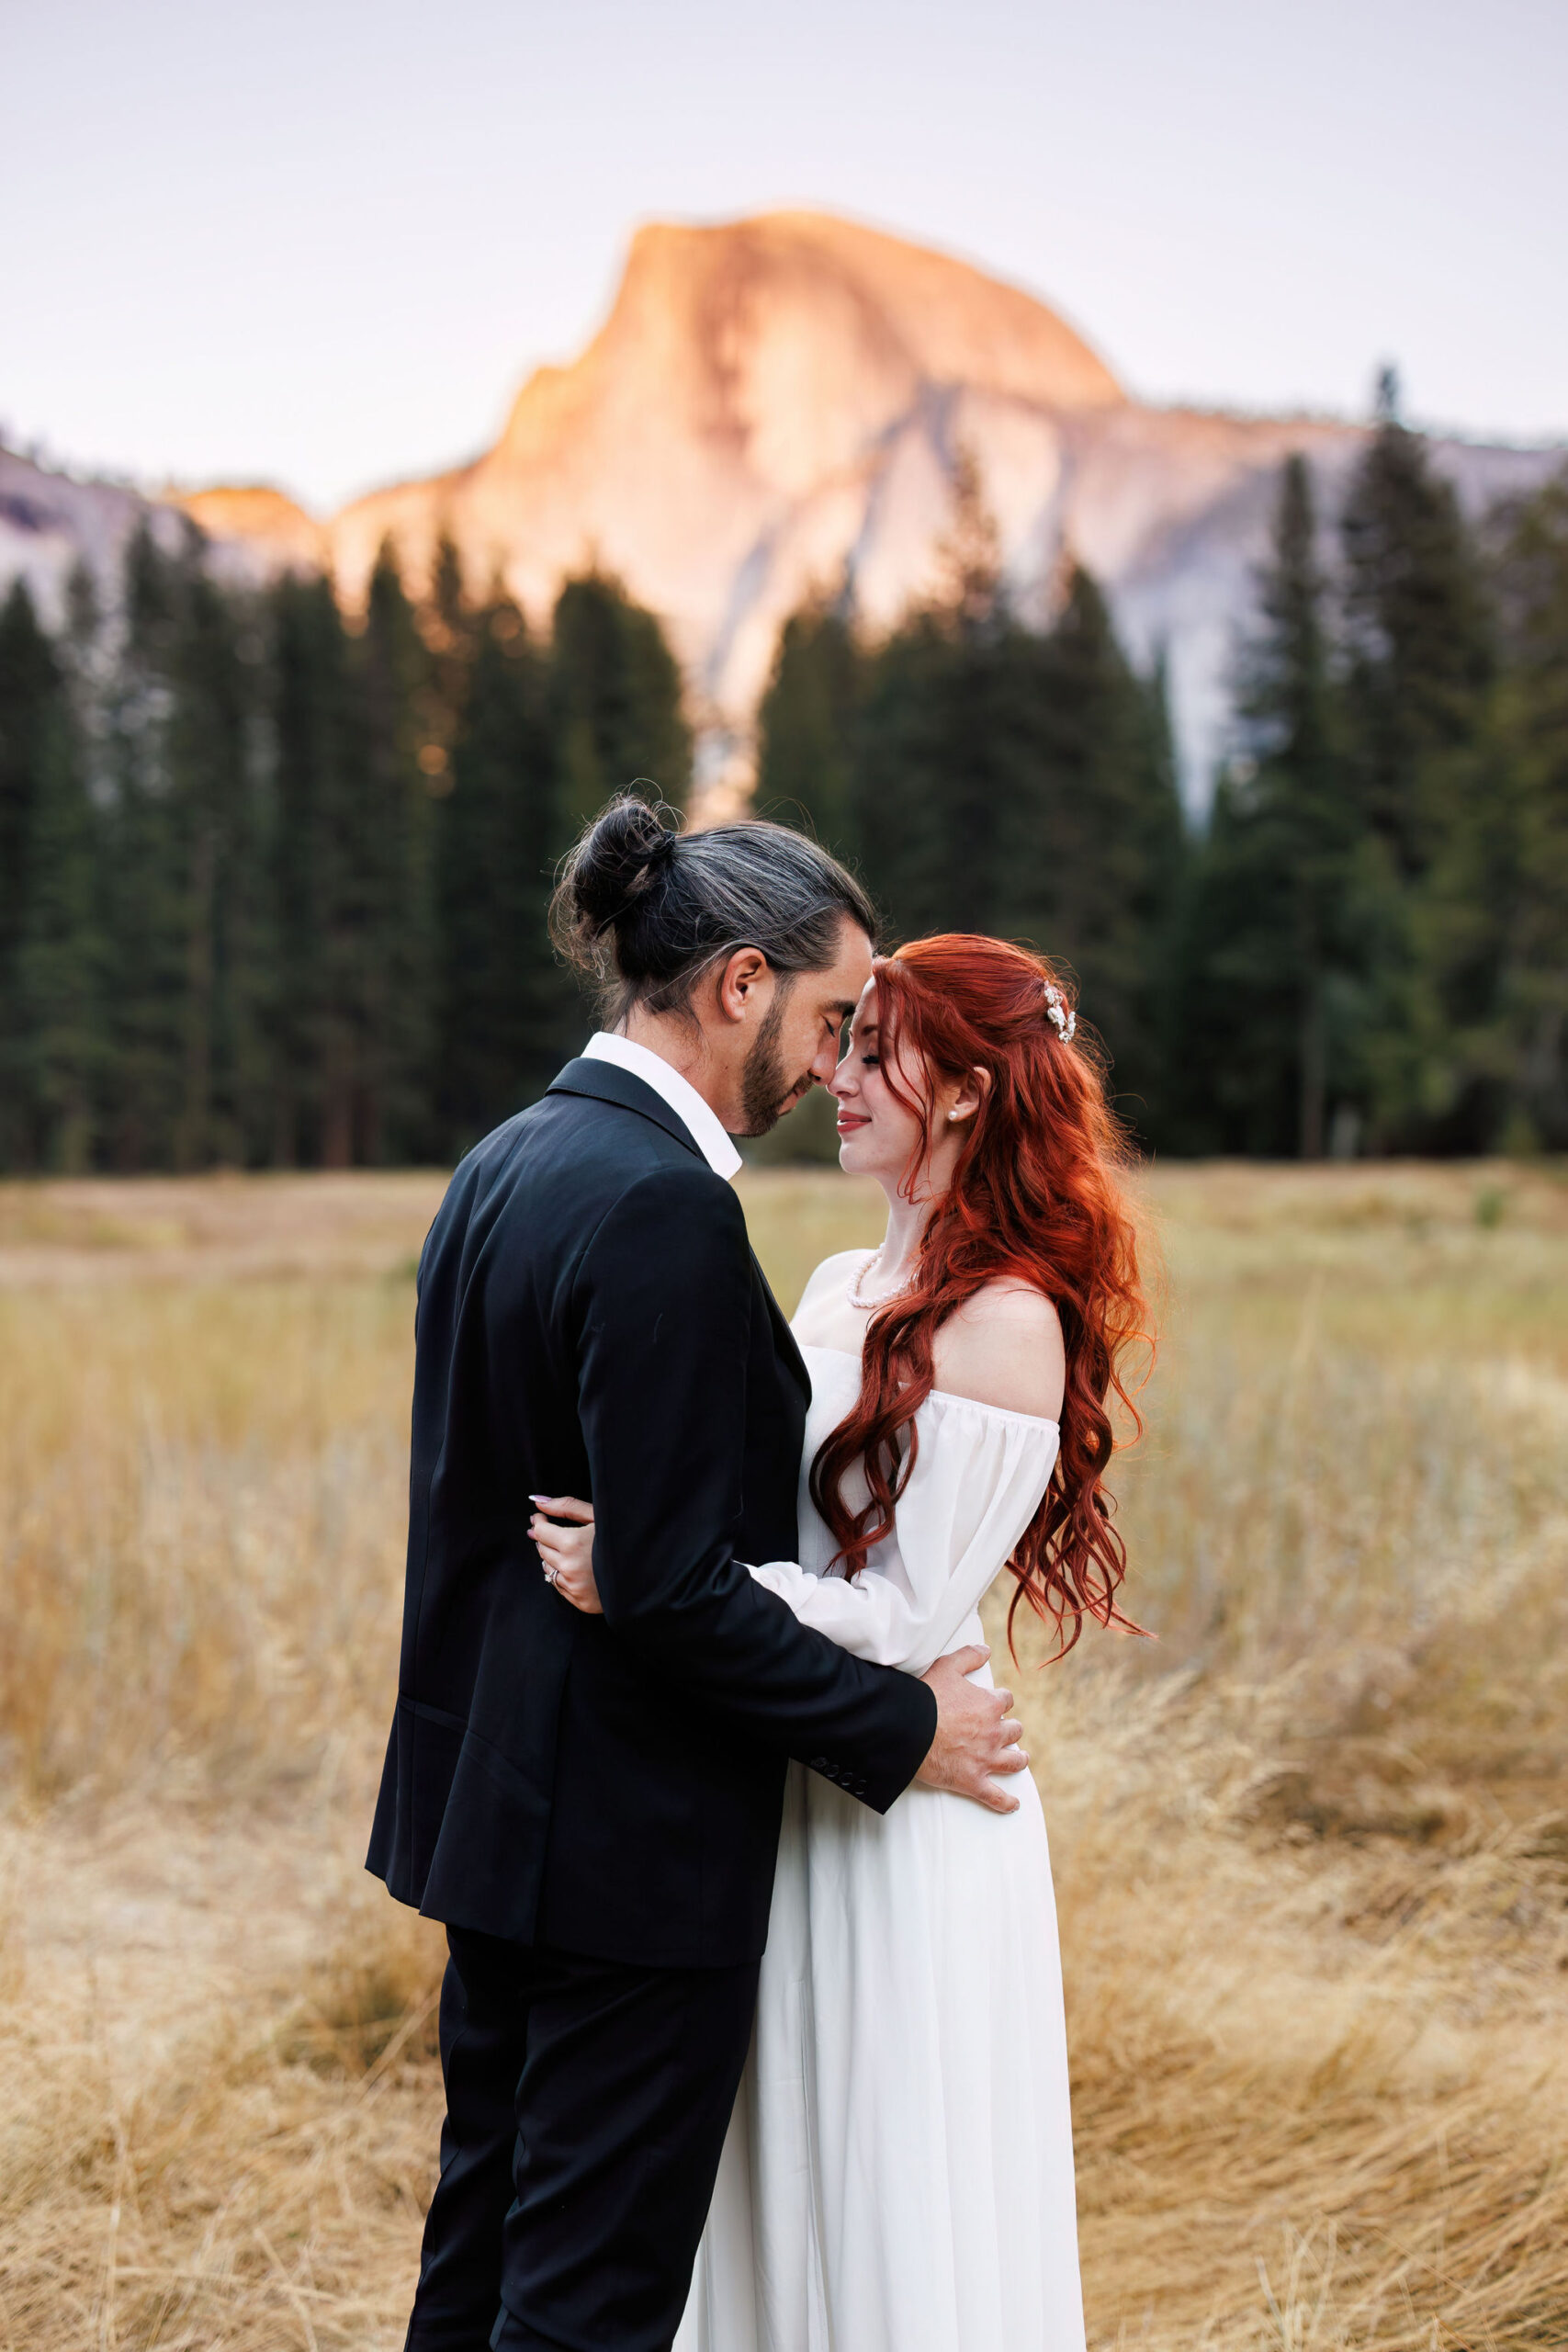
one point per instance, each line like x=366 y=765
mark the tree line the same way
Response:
x=1365 y=946
x=274 y=874
x=273 y=871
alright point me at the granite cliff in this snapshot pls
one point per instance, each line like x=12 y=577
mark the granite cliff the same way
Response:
x=777 y=406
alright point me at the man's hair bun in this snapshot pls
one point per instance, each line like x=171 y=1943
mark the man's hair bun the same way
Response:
x=642 y=909
x=617 y=861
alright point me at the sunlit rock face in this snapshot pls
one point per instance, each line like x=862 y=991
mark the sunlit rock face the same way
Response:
x=777 y=407
x=771 y=408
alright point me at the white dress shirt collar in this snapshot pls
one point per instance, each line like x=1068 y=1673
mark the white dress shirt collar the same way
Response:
x=696 y=1115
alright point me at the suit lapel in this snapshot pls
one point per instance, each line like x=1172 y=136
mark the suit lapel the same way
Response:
x=789 y=1355
x=608 y=1083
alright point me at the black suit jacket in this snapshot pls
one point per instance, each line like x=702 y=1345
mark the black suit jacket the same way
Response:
x=592 y=1322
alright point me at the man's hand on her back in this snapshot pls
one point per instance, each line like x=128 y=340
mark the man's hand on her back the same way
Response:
x=975 y=1737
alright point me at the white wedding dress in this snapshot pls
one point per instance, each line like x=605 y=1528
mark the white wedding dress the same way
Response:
x=898 y=2172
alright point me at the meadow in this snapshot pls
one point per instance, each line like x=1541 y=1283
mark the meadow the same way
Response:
x=1311 y=1844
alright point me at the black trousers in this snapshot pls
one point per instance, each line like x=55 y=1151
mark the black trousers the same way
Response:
x=586 y=2107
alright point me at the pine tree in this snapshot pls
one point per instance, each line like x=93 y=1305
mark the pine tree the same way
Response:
x=308 y=661
x=1419 y=641
x=1090 y=845
x=47 y=997
x=507 y=1012
x=445 y=621
x=330 y=888
x=615 y=697
x=939 y=740
x=30 y=708
x=394 y=679
x=808 y=727
x=1022 y=783
x=1421 y=660
x=214 y=795
x=146 y=882
x=1525 y=874
x=1276 y=961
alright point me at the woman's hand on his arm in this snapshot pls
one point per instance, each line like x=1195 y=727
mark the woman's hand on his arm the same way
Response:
x=566 y=1551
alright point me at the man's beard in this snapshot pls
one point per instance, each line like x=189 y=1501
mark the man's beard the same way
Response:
x=765 y=1092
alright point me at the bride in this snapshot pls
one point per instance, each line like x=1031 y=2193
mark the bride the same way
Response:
x=898 y=2172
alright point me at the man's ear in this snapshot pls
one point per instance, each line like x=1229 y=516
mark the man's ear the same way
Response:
x=740 y=981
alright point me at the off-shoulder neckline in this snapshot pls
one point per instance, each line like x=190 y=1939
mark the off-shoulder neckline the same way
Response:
x=942 y=1395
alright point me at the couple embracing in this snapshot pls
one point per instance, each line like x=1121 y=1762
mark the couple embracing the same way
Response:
x=751 y=2030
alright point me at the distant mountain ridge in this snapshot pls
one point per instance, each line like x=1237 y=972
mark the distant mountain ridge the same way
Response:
x=777 y=406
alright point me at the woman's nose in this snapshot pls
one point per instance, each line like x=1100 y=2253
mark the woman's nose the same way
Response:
x=842 y=1081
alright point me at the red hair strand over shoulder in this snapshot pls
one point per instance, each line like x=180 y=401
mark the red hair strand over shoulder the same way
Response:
x=1037 y=1197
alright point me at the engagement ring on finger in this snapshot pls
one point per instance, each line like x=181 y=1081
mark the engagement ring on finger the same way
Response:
x=550 y=1575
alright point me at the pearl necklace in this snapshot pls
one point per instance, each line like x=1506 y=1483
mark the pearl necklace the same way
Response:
x=854 y=1292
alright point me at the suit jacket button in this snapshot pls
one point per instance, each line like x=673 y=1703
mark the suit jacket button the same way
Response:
x=819 y=1764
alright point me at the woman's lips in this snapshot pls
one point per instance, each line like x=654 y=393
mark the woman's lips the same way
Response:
x=847 y=1123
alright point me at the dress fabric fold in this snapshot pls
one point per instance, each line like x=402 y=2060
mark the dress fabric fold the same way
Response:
x=898 y=2171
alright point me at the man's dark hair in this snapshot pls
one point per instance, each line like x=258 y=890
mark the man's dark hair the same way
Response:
x=643 y=908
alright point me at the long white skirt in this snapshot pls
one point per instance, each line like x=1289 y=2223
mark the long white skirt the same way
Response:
x=898 y=2172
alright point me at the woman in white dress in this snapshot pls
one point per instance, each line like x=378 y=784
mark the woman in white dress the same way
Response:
x=898 y=2172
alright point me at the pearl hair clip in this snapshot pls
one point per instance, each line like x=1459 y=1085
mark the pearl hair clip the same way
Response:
x=1060 y=1011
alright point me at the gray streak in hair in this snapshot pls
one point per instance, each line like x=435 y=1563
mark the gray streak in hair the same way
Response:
x=643 y=910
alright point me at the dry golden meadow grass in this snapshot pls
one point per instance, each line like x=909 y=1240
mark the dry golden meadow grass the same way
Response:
x=1312 y=1848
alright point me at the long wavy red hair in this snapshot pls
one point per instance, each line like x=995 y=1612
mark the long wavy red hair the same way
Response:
x=1037 y=1196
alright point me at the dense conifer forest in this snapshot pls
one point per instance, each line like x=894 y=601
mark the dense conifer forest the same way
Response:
x=274 y=873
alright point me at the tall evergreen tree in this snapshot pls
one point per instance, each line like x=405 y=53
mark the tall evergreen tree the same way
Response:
x=1420 y=662
x=1525 y=1042
x=340 y=871
x=1021 y=784
x=1091 y=839
x=213 y=783
x=47 y=993
x=445 y=621
x=309 y=660
x=507 y=1011
x=1275 y=961
x=183 y=882
x=393 y=671
x=1418 y=637
x=808 y=727
x=615 y=697
x=147 y=883
x=940 y=743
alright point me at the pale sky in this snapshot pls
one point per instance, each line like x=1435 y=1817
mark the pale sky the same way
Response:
x=322 y=241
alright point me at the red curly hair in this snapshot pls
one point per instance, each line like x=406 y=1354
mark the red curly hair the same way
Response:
x=1037 y=1198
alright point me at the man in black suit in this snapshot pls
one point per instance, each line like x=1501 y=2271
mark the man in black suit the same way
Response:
x=592 y=1804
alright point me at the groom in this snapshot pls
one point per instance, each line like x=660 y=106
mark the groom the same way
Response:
x=592 y=1804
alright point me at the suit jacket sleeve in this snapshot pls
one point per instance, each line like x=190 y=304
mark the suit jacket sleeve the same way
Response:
x=664 y=1295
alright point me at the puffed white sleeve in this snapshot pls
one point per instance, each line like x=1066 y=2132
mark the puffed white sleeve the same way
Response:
x=979 y=1476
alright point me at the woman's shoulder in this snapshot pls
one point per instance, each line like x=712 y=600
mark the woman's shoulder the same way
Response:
x=1004 y=1347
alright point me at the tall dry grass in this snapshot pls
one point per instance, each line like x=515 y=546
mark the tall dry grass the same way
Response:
x=1312 y=1848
